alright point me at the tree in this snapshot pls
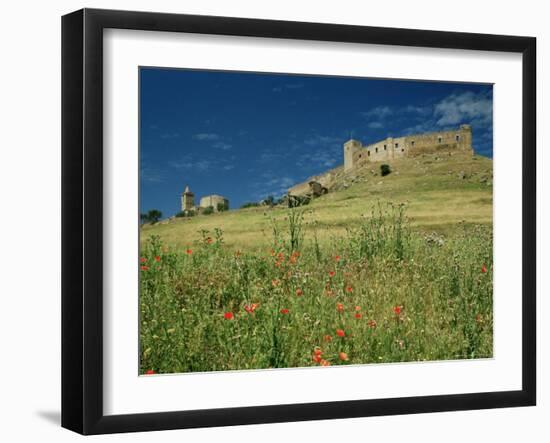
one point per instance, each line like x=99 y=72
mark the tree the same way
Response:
x=208 y=210
x=384 y=170
x=153 y=215
x=249 y=205
x=222 y=206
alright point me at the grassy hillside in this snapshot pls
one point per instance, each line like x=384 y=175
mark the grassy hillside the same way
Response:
x=333 y=283
x=439 y=191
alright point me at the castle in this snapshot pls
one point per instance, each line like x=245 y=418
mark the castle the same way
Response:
x=214 y=201
x=355 y=154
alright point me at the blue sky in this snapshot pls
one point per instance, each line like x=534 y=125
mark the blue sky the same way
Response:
x=249 y=135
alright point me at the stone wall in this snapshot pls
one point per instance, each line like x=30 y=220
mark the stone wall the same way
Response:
x=392 y=148
x=355 y=154
x=213 y=200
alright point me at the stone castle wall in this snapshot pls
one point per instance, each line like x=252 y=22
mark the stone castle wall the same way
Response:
x=389 y=149
x=213 y=200
x=411 y=145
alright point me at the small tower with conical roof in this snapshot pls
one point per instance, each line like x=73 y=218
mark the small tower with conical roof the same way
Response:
x=187 y=200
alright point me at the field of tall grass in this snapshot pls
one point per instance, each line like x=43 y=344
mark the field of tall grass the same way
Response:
x=376 y=291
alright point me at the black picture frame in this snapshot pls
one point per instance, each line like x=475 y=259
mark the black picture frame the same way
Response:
x=82 y=218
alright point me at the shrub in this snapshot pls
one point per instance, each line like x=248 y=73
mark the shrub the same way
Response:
x=152 y=216
x=249 y=205
x=384 y=170
x=186 y=213
x=222 y=206
x=208 y=210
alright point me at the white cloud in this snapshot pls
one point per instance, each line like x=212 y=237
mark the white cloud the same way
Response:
x=151 y=175
x=379 y=112
x=187 y=163
x=420 y=110
x=169 y=135
x=202 y=165
x=319 y=140
x=272 y=185
x=466 y=107
x=206 y=136
x=222 y=145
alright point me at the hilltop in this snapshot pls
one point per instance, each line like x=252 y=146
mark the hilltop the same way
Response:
x=441 y=191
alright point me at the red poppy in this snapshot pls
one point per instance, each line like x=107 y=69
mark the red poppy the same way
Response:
x=144 y=268
x=228 y=316
x=317 y=355
x=142 y=260
x=358 y=315
x=343 y=356
x=397 y=309
x=327 y=338
x=339 y=307
x=157 y=258
x=150 y=372
x=336 y=258
x=358 y=308
x=250 y=309
x=189 y=252
x=484 y=269
x=371 y=323
x=293 y=259
x=284 y=311
x=299 y=292
x=208 y=240
x=324 y=363
x=331 y=273
x=349 y=289
x=340 y=333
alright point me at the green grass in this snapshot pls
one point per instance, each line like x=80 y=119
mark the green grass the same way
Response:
x=436 y=197
x=404 y=281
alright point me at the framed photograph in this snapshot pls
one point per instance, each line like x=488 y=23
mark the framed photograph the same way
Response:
x=268 y=221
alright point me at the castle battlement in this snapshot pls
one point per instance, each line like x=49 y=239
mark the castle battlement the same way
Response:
x=410 y=145
x=391 y=148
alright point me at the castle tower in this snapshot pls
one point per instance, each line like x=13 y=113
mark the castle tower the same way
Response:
x=350 y=148
x=465 y=138
x=187 y=200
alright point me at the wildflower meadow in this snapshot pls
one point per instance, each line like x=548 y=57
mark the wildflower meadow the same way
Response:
x=378 y=293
